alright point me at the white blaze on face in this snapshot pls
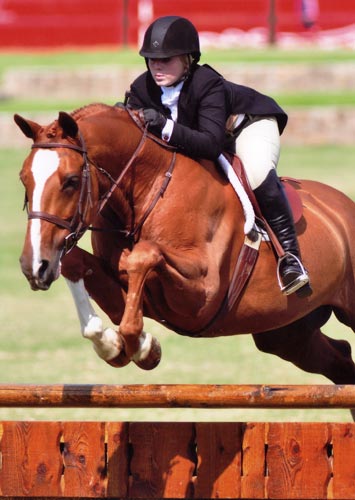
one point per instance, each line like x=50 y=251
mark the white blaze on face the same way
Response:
x=44 y=164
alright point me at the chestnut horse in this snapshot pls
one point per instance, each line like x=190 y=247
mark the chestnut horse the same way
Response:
x=167 y=233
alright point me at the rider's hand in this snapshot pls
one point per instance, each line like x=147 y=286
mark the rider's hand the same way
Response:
x=154 y=120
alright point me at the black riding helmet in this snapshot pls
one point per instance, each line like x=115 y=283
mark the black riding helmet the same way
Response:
x=171 y=36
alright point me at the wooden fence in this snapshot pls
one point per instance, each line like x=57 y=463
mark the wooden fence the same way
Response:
x=177 y=460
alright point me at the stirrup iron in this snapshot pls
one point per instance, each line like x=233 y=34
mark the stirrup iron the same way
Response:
x=297 y=283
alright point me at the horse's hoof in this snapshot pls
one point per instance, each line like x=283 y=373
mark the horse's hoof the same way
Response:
x=118 y=361
x=110 y=347
x=152 y=358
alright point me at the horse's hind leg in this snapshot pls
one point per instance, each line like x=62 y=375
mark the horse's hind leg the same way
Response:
x=303 y=344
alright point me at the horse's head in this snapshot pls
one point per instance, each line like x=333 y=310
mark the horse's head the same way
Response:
x=59 y=192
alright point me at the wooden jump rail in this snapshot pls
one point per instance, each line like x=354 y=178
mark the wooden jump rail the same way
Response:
x=259 y=460
x=177 y=396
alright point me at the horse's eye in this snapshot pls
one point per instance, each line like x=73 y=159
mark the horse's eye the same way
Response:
x=71 y=183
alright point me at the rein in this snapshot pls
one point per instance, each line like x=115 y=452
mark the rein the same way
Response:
x=124 y=171
x=135 y=231
x=76 y=225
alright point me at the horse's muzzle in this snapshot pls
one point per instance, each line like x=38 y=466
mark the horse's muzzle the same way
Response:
x=42 y=275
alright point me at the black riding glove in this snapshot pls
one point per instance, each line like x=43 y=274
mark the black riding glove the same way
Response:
x=154 y=120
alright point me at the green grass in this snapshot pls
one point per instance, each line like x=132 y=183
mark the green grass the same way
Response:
x=67 y=58
x=286 y=100
x=44 y=105
x=333 y=165
x=74 y=58
x=40 y=339
x=316 y=99
x=276 y=55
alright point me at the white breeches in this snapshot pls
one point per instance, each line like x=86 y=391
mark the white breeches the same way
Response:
x=258 y=147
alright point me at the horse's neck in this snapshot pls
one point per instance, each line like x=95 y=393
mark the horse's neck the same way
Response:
x=149 y=171
x=134 y=168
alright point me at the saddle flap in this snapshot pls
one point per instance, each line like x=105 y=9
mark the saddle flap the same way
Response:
x=288 y=184
x=293 y=197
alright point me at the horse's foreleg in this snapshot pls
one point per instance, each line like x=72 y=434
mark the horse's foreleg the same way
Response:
x=84 y=273
x=141 y=347
x=107 y=344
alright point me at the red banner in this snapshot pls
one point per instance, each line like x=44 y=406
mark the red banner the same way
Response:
x=58 y=23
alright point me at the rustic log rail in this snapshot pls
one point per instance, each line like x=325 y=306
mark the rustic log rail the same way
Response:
x=177 y=396
x=102 y=459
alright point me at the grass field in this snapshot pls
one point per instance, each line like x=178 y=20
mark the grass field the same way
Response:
x=40 y=335
x=56 y=61
x=70 y=58
x=285 y=100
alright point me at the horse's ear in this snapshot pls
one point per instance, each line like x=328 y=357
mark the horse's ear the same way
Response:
x=29 y=128
x=68 y=124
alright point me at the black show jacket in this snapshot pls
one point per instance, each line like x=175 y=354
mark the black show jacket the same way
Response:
x=206 y=101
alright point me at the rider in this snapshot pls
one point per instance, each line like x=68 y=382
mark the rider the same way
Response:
x=189 y=106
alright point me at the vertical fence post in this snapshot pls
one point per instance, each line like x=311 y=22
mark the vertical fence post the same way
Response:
x=125 y=21
x=272 y=22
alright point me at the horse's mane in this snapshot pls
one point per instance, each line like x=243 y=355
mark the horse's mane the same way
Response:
x=90 y=109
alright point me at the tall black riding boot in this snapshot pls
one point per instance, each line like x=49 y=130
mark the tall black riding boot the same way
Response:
x=276 y=210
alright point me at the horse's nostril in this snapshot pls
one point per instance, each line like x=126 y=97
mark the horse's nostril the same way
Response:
x=43 y=268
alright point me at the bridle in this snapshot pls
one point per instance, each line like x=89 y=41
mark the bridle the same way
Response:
x=76 y=225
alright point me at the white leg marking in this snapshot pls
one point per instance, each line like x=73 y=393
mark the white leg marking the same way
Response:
x=145 y=341
x=44 y=164
x=89 y=321
x=106 y=341
x=107 y=346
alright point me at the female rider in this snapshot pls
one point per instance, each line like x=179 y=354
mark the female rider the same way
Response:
x=189 y=105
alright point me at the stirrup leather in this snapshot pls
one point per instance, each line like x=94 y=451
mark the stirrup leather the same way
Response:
x=297 y=283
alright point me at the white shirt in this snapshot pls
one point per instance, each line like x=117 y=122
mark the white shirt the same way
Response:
x=170 y=98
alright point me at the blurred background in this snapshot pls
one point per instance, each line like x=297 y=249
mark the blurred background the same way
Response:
x=62 y=54
x=53 y=23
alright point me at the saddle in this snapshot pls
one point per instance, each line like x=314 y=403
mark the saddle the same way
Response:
x=250 y=249
x=290 y=189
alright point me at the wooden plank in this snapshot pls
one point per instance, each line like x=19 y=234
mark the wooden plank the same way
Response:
x=177 y=460
x=298 y=465
x=84 y=459
x=117 y=459
x=178 y=395
x=254 y=460
x=31 y=459
x=219 y=447
x=343 y=440
x=163 y=460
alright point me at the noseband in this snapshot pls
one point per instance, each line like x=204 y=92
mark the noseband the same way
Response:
x=76 y=225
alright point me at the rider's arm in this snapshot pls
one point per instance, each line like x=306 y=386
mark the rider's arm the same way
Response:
x=200 y=128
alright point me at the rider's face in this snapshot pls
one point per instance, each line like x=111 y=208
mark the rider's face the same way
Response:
x=169 y=70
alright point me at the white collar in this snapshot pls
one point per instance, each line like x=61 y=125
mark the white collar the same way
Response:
x=170 y=97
